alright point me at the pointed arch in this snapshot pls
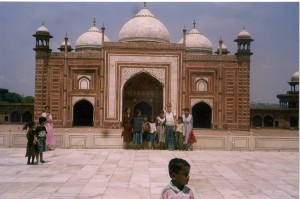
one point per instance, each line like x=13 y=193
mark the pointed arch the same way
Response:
x=202 y=115
x=201 y=85
x=84 y=83
x=146 y=89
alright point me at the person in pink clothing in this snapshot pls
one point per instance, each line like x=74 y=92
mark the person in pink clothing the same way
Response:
x=179 y=171
x=50 y=139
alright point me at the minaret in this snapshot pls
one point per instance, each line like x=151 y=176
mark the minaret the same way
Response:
x=220 y=46
x=243 y=55
x=65 y=82
x=103 y=32
x=184 y=36
x=42 y=52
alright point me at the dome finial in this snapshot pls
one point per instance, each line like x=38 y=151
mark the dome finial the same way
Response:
x=220 y=42
x=145 y=4
x=66 y=39
x=103 y=28
x=194 y=23
x=42 y=23
x=244 y=28
x=94 y=22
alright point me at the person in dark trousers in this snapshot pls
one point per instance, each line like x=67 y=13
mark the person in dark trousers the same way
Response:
x=31 y=143
x=40 y=133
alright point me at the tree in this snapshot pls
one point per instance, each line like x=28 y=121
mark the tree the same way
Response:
x=28 y=99
x=13 y=98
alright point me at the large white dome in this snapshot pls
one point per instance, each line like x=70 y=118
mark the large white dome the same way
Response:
x=144 y=26
x=90 y=40
x=195 y=41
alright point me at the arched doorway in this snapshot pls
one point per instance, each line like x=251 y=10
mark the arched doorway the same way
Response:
x=143 y=92
x=83 y=114
x=294 y=121
x=268 y=121
x=15 y=116
x=201 y=115
x=26 y=116
x=144 y=107
x=256 y=121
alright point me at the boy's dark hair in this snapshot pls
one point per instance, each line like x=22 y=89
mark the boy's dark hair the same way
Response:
x=42 y=119
x=186 y=109
x=180 y=118
x=176 y=164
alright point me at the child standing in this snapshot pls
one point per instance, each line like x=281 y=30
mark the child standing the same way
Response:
x=146 y=131
x=187 y=119
x=179 y=171
x=179 y=134
x=40 y=133
x=30 y=149
x=161 y=124
x=152 y=133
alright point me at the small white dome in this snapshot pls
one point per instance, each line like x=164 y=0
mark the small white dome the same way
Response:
x=144 y=26
x=244 y=34
x=42 y=29
x=224 y=47
x=195 y=41
x=92 y=39
x=295 y=77
x=63 y=43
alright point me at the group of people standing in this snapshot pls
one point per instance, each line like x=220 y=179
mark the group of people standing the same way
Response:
x=39 y=137
x=168 y=131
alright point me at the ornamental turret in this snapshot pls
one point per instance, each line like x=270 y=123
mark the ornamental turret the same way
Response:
x=42 y=37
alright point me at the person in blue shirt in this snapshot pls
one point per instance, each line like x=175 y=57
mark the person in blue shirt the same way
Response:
x=40 y=134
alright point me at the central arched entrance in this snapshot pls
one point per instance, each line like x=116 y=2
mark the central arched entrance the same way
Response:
x=83 y=113
x=144 y=107
x=201 y=115
x=145 y=93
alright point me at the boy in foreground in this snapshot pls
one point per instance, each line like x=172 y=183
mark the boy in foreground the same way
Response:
x=179 y=170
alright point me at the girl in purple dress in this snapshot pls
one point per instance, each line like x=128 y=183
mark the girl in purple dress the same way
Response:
x=50 y=139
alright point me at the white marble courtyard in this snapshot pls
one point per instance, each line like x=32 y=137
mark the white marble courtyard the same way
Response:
x=133 y=174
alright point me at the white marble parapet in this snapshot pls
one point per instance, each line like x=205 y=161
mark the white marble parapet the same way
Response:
x=99 y=138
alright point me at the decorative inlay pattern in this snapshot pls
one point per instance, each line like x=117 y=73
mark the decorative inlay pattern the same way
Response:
x=76 y=99
x=207 y=101
x=158 y=73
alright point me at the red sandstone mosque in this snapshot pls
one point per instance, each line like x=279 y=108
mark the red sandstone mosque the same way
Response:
x=92 y=84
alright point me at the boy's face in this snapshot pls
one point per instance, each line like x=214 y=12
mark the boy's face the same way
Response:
x=169 y=108
x=181 y=178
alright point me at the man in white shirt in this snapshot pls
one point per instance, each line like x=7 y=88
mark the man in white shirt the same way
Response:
x=170 y=124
